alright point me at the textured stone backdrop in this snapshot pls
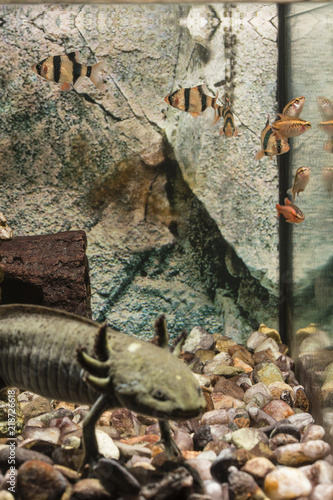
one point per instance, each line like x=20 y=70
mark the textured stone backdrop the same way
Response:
x=179 y=219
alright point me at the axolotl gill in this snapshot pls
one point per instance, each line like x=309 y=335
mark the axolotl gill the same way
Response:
x=70 y=358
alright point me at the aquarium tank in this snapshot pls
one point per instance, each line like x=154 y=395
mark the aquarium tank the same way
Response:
x=179 y=211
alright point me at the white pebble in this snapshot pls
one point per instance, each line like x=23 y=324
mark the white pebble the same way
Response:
x=287 y=483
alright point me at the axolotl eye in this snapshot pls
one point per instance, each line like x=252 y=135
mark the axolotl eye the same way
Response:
x=159 y=395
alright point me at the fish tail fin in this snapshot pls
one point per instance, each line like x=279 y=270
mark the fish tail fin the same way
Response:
x=95 y=77
x=278 y=208
x=287 y=201
x=260 y=154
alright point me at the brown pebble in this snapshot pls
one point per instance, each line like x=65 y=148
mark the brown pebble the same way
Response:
x=221 y=401
x=215 y=417
x=89 y=489
x=258 y=467
x=229 y=388
x=278 y=409
x=37 y=480
x=281 y=440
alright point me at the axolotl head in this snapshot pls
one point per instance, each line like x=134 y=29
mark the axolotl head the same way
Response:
x=149 y=380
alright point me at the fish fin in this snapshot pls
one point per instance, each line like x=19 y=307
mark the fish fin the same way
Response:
x=290 y=191
x=259 y=154
x=278 y=135
x=287 y=201
x=95 y=77
x=278 y=208
x=284 y=118
x=195 y=115
x=65 y=86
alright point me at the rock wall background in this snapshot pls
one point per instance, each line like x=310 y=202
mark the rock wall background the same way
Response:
x=179 y=219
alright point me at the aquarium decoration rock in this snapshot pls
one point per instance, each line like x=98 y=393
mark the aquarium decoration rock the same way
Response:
x=50 y=270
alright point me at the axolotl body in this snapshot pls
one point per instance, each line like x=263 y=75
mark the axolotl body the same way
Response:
x=69 y=358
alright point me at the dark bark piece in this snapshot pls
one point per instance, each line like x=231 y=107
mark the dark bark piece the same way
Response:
x=49 y=270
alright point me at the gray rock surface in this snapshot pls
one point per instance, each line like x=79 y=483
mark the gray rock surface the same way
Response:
x=179 y=219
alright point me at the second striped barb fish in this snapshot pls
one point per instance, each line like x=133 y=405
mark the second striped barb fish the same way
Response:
x=66 y=70
x=193 y=100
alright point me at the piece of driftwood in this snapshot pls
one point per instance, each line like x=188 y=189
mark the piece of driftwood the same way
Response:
x=49 y=270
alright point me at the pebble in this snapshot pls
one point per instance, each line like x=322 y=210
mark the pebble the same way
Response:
x=286 y=483
x=267 y=373
x=37 y=480
x=268 y=344
x=258 y=394
x=322 y=492
x=278 y=409
x=255 y=339
x=248 y=438
x=320 y=472
x=106 y=446
x=243 y=485
x=89 y=489
x=301 y=453
x=258 y=467
x=6 y=495
x=215 y=417
x=313 y=432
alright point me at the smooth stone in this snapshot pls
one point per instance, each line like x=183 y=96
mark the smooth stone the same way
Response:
x=313 y=432
x=259 y=417
x=183 y=440
x=322 y=492
x=45 y=434
x=90 y=489
x=243 y=485
x=220 y=360
x=68 y=457
x=60 y=413
x=248 y=438
x=23 y=455
x=37 y=480
x=270 y=332
x=244 y=381
x=286 y=483
x=278 y=409
x=202 y=466
x=34 y=422
x=215 y=417
x=71 y=442
x=258 y=393
x=219 y=431
x=213 y=489
x=125 y=422
x=258 y=467
x=6 y=495
x=301 y=420
x=129 y=450
x=267 y=373
x=208 y=455
x=282 y=440
x=106 y=446
x=320 y=472
x=255 y=339
x=266 y=356
x=111 y=473
x=204 y=356
x=202 y=379
x=193 y=339
x=302 y=453
x=241 y=418
x=268 y=344
x=221 y=402
x=238 y=363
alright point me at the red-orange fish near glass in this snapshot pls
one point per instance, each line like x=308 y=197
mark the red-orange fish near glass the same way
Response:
x=290 y=212
x=287 y=127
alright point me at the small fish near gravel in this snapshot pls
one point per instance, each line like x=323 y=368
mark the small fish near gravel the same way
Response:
x=254 y=442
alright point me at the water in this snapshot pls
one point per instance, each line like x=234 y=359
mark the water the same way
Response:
x=179 y=218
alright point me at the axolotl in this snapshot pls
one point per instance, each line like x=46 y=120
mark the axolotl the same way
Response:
x=70 y=358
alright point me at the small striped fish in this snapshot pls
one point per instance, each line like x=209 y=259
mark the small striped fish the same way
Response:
x=66 y=70
x=286 y=126
x=294 y=107
x=290 y=212
x=228 y=128
x=193 y=100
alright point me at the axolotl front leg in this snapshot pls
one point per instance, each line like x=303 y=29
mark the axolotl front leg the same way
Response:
x=97 y=377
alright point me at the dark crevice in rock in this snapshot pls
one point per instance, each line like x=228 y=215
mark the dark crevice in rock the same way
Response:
x=215 y=260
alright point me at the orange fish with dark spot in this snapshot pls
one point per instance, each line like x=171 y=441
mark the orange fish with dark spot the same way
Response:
x=193 y=100
x=270 y=145
x=290 y=212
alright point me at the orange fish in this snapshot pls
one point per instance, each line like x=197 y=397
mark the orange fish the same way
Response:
x=290 y=212
x=193 y=100
x=294 y=107
x=66 y=70
x=228 y=128
x=287 y=127
x=270 y=145
x=302 y=177
x=326 y=126
x=325 y=107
